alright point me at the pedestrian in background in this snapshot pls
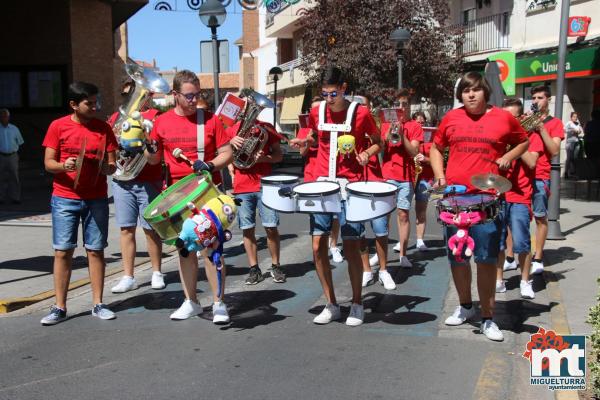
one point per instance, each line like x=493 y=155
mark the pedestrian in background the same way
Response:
x=10 y=141
x=573 y=131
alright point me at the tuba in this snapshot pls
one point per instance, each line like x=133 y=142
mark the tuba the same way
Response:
x=147 y=82
x=255 y=135
x=532 y=121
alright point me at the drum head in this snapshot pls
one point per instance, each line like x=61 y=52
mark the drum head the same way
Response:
x=317 y=188
x=176 y=194
x=467 y=200
x=278 y=179
x=372 y=188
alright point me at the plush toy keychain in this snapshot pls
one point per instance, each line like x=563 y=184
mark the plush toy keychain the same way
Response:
x=462 y=221
x=346 y=145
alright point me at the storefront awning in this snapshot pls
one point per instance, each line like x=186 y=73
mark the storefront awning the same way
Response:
x=579 y=63
x=292 y=105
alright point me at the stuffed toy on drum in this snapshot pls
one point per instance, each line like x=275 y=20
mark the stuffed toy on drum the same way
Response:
x=133 y=134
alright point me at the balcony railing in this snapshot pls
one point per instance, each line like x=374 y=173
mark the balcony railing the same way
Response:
x=483 y=35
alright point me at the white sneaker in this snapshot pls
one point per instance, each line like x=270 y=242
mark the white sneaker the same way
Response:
x=330 y=313
x=220 y=314
x=396 y=247
x=336 y=254
x=500 y=286
x=186 y=310
x=356 y=316
x=460 y=315
x=527 y=290
x=158 y=280
x=537 y=267
x=421 y=246
x=404 y=262
x=374 y=260
x=491 y=331
x=386 y=280
x=509 y=266
x=126 y=284
x=367 y=278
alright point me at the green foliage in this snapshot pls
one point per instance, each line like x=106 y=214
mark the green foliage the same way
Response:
x=594 y=356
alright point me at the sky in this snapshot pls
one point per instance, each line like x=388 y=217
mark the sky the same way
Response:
x=173 y=37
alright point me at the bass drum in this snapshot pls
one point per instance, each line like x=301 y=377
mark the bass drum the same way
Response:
x=369 y=200
x=318 y=197
x=275 y=190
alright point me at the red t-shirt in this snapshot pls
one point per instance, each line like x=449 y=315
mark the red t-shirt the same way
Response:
x=173 y=131
x=310 y=157
x=397 y=163
x=476 y=142
x=66 y=137
x=248 y=180
x=427 y=173
x=374 y=166
x=521 y=176
x=150 y=173
x=347 y=165
x=555 y=129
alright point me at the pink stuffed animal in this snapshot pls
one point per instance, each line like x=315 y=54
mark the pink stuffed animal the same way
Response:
x=463 y=220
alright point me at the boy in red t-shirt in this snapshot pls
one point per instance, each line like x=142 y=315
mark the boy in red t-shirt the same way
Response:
x=477 y=135
x=423 y=184
x=552 y=132
x=246 y=187
x=517 y=210
x=179 y=128
x=74 y=145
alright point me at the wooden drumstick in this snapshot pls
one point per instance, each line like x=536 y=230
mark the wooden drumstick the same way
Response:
x=178 y=153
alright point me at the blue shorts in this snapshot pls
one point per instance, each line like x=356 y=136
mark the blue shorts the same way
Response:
x=421 y=194
x=320 y=224
x=247 y=211
x=131 y=198
x=517 y=217
x=66 y=215
x=487 y=242
x=539 y=201
x=405 y=194
x=380 y=226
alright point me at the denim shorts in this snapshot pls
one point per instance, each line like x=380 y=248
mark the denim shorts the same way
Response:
x=486 y=237
x=66 y=215
x=247 y=211
x=421 y=194
x=320 y=224
x=380 y=226
x=131 y=198
x=517 y=217
x=405 y=193
x=539 y=201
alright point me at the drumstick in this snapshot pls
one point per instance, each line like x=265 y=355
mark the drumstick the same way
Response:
x=178 y=153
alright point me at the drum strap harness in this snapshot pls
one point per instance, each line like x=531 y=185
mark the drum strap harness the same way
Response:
x=200 y=133
x=333 y=130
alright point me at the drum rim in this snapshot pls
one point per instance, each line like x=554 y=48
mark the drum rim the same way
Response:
x=292 y=179
x=492 y=199
x=371 y=218
x=178 y=208
x=328 y=193
x=364 y=194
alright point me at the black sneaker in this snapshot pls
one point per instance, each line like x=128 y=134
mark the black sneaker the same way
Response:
x=56 y=315
x=254 y=276
x=277 y=274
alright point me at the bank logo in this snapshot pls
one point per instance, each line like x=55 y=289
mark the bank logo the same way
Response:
x=535 y=65
x=557 y=361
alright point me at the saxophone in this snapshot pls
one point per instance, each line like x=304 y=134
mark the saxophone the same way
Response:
x=146 y=82
x=255 y=136
x=418 y=169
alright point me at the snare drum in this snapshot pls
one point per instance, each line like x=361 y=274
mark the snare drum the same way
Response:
x=369 y=200
x=454 y=204
x=273 y=197
x=318 y=197
x=169 y=209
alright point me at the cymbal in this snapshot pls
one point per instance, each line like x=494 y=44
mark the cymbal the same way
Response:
x=491 y=182
x=79 y=162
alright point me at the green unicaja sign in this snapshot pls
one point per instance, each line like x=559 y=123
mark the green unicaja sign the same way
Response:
x=506 y=64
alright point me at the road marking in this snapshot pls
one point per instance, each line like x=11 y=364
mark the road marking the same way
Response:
x=490 y=382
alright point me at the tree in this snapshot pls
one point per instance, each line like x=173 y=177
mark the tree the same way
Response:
x=354 y=35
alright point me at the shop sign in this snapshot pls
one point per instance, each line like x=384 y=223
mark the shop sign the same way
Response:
x=578 y=26
x=506 y=64
x=582 y=62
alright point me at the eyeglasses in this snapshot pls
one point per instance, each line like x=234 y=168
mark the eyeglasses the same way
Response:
x=333 y=94
x=191 y=96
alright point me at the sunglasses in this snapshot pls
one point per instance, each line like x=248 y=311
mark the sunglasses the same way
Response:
x=333 y=94
x=191 y=96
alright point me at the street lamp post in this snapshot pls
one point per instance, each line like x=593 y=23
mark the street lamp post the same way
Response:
x=400 y=37
x=275 y=74
x=213 y=14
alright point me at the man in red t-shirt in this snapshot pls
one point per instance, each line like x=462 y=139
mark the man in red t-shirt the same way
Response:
x=398 y=169
x=246 y=187
x=180 y=128
x=477 y=135
x=552 y=132
x=517 y=210
x=349 y=168
x=131 y=198
x=80 y=152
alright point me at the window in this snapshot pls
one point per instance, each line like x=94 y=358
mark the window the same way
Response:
x=11 y=89
x=44 y=89
x=468 y=15
x=33 y=87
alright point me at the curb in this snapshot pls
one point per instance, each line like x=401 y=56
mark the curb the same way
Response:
x=16 y=303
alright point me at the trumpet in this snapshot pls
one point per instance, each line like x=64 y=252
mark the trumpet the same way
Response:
x=532 y=121
x=394 y=136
